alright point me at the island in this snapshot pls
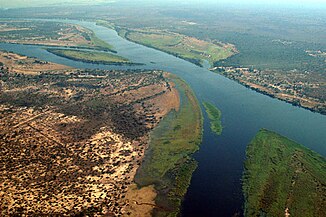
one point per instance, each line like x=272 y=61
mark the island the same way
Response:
x=189 y=48
x=214 y=115
x=94 y=57
x=283 y=178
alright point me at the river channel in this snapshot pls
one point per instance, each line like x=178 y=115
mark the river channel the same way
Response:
x=215 y=188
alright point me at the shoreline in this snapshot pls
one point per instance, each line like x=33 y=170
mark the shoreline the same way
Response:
x=63 y=46
x=53 y=51
x=272 y=95
x=196 y=62
x=172 y=175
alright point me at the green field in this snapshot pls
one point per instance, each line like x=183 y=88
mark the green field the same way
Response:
x=214 y=115
x=185 y=47
x=91 y=56
x=282 y=177
x=168 y=163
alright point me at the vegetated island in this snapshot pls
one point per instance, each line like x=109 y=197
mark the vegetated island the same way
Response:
x=189 y=48
x=214 y=115
x=72 y=139
x=49 y=33
x=94 y=57
x=283 y=178
x=168 y=164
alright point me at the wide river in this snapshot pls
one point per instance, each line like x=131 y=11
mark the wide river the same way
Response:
x=215 y=188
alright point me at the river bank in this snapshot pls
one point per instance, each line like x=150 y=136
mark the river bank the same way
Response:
x=244 y=113
x=295 y=101
x=188 y=48
x=82 y=132
x=168 y=162
x=168 y=43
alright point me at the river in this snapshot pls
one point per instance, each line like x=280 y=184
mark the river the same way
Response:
x=215 y=188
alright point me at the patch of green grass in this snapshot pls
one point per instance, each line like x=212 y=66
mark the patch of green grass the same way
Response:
x=167 y=163
x=182 y=46
x=90 y=56
x=281 y=174
x=214 y=115
x=100 y=44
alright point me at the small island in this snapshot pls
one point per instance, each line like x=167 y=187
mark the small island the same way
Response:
x=214 y=115
x=94 y=57
x=283 y=178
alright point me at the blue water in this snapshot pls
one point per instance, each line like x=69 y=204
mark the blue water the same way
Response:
x=215 y=188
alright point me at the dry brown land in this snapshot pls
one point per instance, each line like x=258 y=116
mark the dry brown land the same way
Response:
x=68 y=35
x=72 y=140
x=50 y=34
x=16 y=63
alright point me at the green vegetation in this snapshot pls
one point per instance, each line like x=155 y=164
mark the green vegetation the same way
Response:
x=282 y=177
x=271 y=53
x=185 y=47
x=54 y=34
x=100 y=44
x=214 y=115
x=105 y=24
x=91 y=56
x=168 y=163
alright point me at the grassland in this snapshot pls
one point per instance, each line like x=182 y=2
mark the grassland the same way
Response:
x=100 y=44
x=168 y=163
x=283 y=178
x=91 y=56
x=214 y=115
x=185 y=47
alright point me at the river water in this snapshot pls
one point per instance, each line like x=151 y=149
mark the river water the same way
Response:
x=215 y=188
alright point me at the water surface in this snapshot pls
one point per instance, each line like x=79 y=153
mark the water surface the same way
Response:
x=215 y=188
